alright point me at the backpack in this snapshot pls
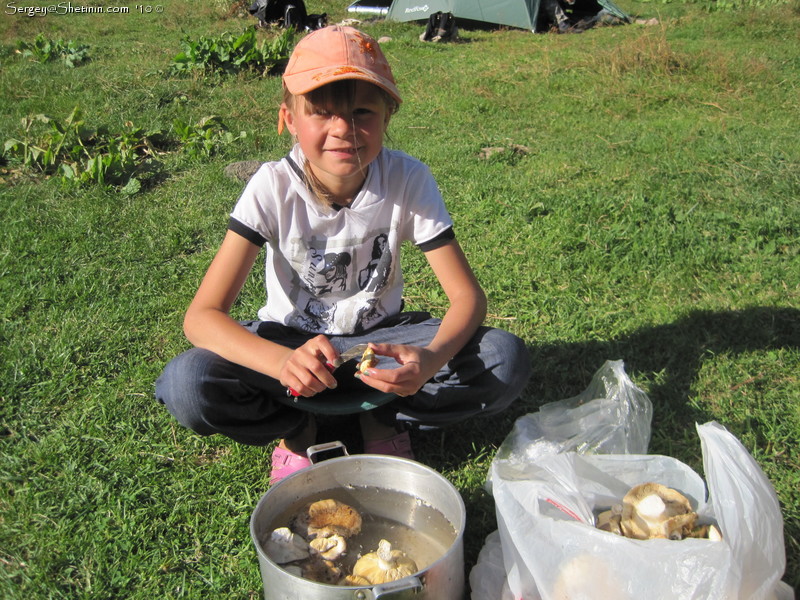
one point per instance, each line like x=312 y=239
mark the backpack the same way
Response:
x=267 y=11
x=294 y=15
x=287 y=13
x=441 y=27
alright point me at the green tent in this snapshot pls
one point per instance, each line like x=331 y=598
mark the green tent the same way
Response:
x=513 y=13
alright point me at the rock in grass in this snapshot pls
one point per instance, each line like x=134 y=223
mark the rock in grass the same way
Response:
x=242 y=170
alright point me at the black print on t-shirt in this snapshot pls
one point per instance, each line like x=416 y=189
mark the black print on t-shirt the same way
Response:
x=327 y=273
x=375 y=275
x=314 y=317
x=368 y=316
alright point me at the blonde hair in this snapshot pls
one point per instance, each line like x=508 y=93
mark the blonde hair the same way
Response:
x=337 y=97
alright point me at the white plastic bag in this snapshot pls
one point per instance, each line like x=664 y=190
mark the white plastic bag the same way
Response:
x=611 y=416
x=736 y=481
x=487 y=579
x=551 y=549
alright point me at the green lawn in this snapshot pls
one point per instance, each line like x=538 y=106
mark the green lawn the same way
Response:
x=650 y=214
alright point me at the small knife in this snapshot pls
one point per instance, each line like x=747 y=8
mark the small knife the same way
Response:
x=349 y=354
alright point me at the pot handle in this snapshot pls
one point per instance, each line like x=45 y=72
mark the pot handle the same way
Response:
x=397 y=588
x=312 y=451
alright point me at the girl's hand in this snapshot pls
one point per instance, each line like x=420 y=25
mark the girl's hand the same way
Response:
x=416 y=367
x=304 y=369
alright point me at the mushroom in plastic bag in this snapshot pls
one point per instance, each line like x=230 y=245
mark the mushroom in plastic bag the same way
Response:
x=551 y=547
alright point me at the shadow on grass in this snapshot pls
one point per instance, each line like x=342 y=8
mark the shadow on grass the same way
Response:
x=672 y=354
x=669 y=356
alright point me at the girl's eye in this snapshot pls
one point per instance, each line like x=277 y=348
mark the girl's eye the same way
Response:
x=318 y=111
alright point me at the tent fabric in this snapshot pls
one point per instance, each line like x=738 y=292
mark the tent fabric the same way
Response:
x=614 y=10
x=409 y=10
x=513 y=13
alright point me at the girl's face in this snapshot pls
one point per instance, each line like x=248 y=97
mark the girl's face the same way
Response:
x=339 y=137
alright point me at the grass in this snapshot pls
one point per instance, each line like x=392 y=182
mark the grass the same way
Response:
x=653 y=218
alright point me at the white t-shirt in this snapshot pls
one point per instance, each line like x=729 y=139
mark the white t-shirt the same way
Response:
x=338 y=271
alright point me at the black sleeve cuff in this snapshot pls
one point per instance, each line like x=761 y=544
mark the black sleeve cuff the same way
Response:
x=439 y=241
x=243 y=230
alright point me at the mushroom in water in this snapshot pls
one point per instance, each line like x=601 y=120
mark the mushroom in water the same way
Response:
x=384 y=565
x=283 y=546
x=325 y=518
x=330 y=547
x=652 y=510
x=296 y=570
x=353 y=580
x=320 y=570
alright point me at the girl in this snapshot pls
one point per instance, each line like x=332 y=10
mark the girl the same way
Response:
x=333 y=214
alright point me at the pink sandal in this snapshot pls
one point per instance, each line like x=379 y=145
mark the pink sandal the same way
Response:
x=397 y=445
x=286 y=462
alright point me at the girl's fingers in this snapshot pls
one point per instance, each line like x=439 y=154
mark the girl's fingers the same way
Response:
x=309 y=368
x=405 y=380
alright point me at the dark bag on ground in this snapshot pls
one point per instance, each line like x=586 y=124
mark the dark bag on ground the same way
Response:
x=295 y=15
x=286 y=13
x=268 y=11
x=441 y=27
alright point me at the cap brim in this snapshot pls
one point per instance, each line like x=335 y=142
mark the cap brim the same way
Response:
x=307 y=81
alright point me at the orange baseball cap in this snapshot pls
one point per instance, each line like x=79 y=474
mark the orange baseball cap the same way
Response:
x=336 y=53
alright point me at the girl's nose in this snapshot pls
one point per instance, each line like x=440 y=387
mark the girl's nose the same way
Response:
x=340 y=126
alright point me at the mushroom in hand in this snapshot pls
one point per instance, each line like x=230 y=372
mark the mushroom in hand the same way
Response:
x=368 y=359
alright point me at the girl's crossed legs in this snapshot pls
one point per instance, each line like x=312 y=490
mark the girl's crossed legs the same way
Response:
x=209 y=394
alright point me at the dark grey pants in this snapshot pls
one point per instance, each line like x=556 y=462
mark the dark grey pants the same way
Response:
x=209 y=394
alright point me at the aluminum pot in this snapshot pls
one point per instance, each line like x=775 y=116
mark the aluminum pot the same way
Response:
x=370 y=480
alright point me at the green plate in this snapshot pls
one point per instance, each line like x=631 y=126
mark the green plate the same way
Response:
x=345 y=403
